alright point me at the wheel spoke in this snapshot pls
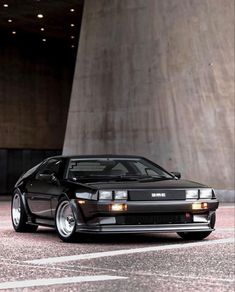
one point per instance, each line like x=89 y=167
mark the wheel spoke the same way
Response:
x=64 y=219
x=16 y=210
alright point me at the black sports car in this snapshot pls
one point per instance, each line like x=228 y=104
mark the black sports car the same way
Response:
x=111 y=194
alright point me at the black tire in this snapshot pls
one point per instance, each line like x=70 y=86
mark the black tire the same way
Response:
x=65 y=227
x=18 y=215
x=194 y=235
x=198 y=235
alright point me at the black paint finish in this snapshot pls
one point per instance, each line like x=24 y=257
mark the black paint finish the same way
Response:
x=44 y=186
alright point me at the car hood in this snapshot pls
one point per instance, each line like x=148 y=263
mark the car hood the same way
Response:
x=162 y=184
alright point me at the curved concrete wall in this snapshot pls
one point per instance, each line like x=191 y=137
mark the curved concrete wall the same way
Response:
x=156 y=78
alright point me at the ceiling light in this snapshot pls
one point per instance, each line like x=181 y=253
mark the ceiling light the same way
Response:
x=14 y=32
x=42 y=29
x=40 y=15
x=5 y=5
x=72 y=10
x=72 y=46
x=9 y=20
x=44 y=40
x=72 y=24
x=72 y=37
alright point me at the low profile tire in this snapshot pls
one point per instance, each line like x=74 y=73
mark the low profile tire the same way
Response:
x=65 y=221
x=18 y=215
x=198 y=235
x=194 y=235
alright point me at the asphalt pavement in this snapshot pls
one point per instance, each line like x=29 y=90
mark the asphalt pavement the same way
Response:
x=155 y=262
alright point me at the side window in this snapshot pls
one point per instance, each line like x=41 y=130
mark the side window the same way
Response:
x=53 y=166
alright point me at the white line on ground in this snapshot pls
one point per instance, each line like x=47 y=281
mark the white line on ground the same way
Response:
x=88 y=256
x=57 y=281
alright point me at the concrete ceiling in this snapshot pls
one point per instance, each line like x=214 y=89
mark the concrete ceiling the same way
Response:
x=19 y=21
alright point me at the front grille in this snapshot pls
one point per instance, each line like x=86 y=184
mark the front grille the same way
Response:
x=156 y=195
x=145 y=219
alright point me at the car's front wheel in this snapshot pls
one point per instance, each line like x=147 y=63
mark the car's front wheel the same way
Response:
x=198 y=235
x=18 y=215
x=65 y=221
x=194 y=235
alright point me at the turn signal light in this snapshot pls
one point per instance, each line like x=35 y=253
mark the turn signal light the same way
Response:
x=199 y=206
x=118 y=207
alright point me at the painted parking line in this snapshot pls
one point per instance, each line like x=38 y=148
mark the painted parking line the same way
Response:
x=88 y=256
x=57 y=281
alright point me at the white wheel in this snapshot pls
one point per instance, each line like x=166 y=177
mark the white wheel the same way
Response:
x=65 y=221
x=16 y=210
x=18 y=215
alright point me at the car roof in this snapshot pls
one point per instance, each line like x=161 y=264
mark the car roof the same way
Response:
x=95 y=156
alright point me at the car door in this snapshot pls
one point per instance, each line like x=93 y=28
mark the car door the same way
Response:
x=43 y=187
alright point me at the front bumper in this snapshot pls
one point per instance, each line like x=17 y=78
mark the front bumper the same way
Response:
x=112 y=229
x=96 y=217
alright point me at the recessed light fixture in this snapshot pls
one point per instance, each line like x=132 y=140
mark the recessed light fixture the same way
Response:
x=72 y=37
x=9 y=20
x=72 y=24
x=40 y=15
x=44 y=40
x=5 y=5
x=72 y=10
x=42 y=29
x=14 y=32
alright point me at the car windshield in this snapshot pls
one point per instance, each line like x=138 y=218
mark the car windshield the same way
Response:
x=115 y=168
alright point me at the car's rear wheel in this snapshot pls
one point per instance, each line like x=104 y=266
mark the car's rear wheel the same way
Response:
x=65 y=221
x=18 y=215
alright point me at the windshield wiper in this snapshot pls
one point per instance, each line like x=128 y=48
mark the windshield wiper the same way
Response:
x=104 y=177
x=121 y=177
x=152 y=178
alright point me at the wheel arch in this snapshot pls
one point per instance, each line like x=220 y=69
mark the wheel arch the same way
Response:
x=22 y=196
x=77 y=211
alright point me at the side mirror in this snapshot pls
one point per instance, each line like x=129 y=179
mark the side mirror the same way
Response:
x=44 y=176
x=176 y=174
x=48 y=177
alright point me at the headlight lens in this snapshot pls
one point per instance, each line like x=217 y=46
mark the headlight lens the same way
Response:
x=192 y=194
x=105 y=195
x=205 y=193
x=120 y=195
x=84 y=195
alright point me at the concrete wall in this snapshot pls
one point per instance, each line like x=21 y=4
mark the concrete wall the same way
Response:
x=35 y=86
x=156 y=78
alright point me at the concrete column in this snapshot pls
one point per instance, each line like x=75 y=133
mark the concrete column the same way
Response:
x=156 y=78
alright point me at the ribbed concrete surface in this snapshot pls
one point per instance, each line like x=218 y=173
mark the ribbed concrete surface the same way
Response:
x=156 y=78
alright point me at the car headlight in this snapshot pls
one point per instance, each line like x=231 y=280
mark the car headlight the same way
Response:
x=83 y=195
x=192 y=194
x=205 y=193
x=120 y=195
x=105 y=195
